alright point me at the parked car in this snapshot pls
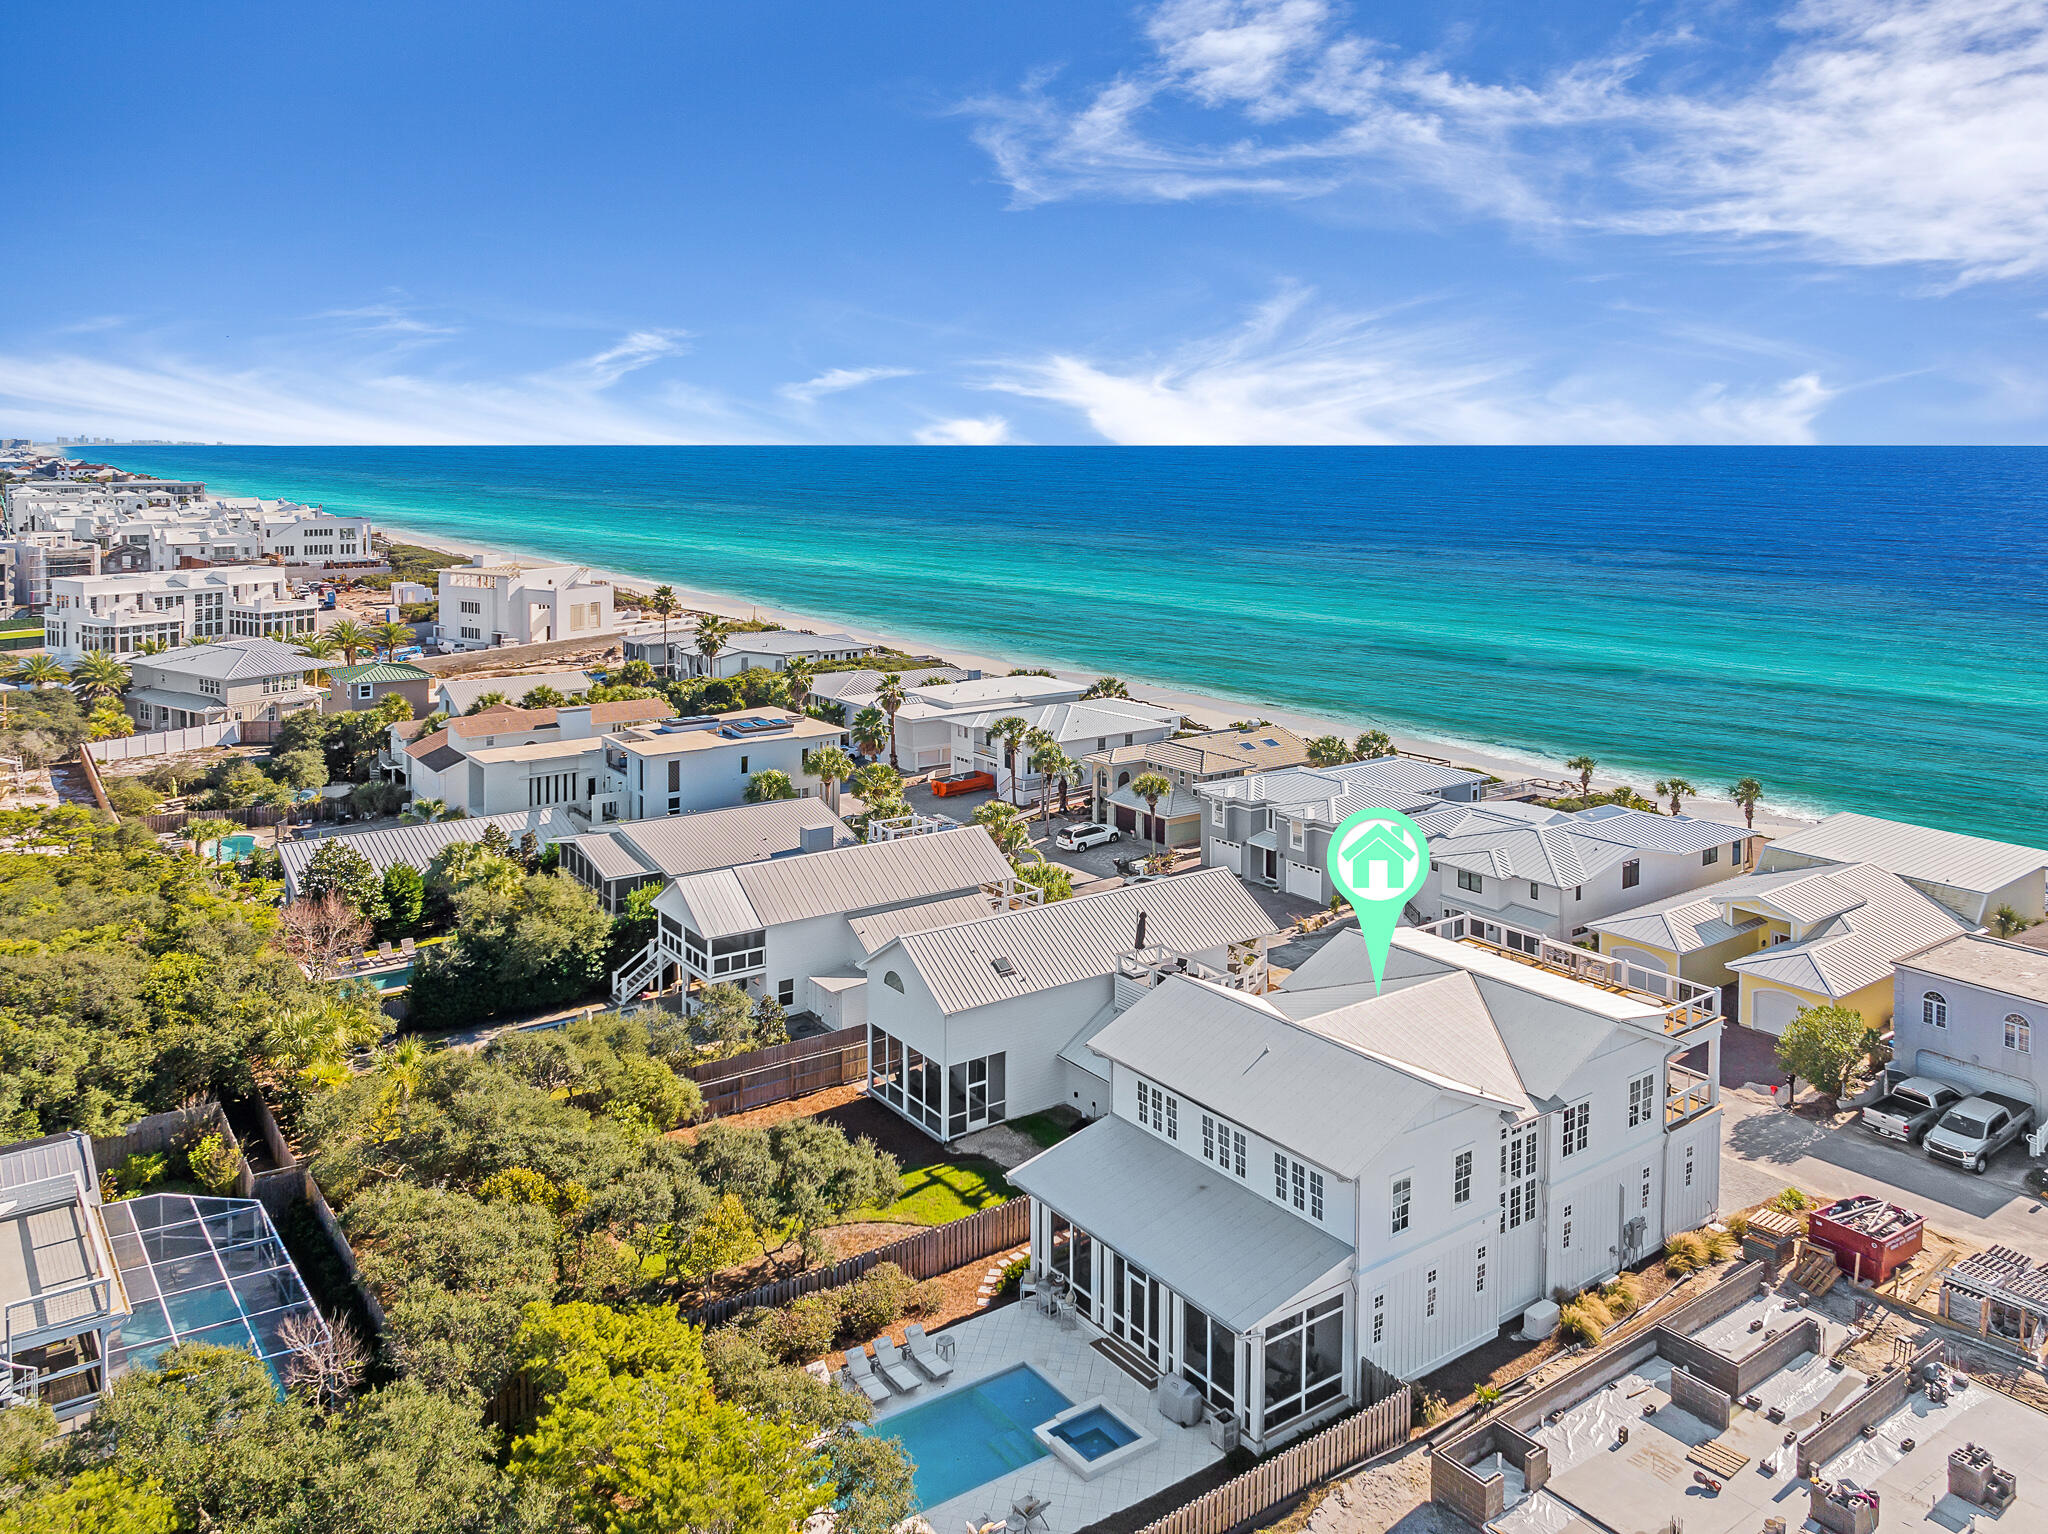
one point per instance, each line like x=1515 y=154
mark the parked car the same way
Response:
x=1976 y=1129
x=963 y=783
x=1910 y=1109
x=1092 y=834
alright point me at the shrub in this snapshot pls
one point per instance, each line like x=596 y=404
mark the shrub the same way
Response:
x=129 y=796
x=1721 y=1244
x=138 y=1170
x=1791 y=1201
x=1738 y=1226
x=1013 y=1275
x=926 y=1299
x=1486 y=1395
x=1624 y=1297
x=1685 y=1253
x=1430 y=1408
x=873 y=1302
x=804 y=1329
x=1595 y=1307
x=214 y=1163
x=1578 y=1322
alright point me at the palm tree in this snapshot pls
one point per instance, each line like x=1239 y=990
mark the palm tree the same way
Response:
x=392 y=637
x=200 y=832
x=879 y=787
x=1373 y=744
x=39 y=670
x=151 y=647
x=1677 y=789
x=769 y=784
x=1107 y=687
x=486 y=700
x=797 y=678
x=665 y=607
x=1052 y=764
x=351 y=638
x=98 y=676
x=1010 y=729
x=1583 y=766
x=870 y=732
x=405 y=1068
x=1006 y=824
x=831 y=767
x=2005 y=921
x=426 y=809
x=319 y=647
x=711 y=636
x=1745 y=792
x=890 y=697
x=543 y=696
x=1328 y=751
x=1152 y=787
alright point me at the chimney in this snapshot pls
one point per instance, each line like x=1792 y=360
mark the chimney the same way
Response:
x=573 y=720
x=1139 y=940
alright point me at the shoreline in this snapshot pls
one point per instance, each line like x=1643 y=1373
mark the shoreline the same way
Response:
x=1209 y=708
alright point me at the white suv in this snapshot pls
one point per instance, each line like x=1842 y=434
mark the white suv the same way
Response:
x=1077 y=838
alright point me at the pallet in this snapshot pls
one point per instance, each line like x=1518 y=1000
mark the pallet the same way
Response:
x=1817 y=1273
x=1717 y=1459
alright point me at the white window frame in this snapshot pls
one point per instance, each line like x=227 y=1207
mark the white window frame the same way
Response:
x=1576 y=1127
x=1401 y=1203
x=1934 y=1010
x=2019 y=1034
x=1461 y=1177
x=1642 y=1099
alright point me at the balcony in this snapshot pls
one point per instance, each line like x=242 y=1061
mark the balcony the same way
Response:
x=1687 y=1005
x=1140 y=969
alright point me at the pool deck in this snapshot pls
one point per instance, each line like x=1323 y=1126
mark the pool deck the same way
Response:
x=1019 y=1334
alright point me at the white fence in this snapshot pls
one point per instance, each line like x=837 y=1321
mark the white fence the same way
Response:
x=165 y=742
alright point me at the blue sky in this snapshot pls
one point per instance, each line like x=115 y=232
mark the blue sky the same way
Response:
x=961 y=221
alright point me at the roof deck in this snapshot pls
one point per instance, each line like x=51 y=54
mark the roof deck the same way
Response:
x=1686 y=1004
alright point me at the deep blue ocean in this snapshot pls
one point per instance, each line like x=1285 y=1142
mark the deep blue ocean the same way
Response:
x=1858 y=628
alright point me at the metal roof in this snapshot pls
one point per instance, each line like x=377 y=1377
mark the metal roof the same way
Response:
x=461 y=691
x=230 y=660
x=789 y=642
x=842 y=880
x=1551 y=855
x=1284 y=1079
x=1859 y=946
x=864 y=684
x=1947 y=858
x=53 y=1156
x=2013 y=969
x=416 y=844
x=1681 y=924
x=1079 y=938
x=877 y=931
x=1404 y=774
x=677 y=845
x=1647 y=831
x=380 y=671
x=1208 y=1238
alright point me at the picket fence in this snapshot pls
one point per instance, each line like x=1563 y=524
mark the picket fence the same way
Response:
x=762 y=1077
x=199 y=737
x=924 y=1255
x=1347 y=1442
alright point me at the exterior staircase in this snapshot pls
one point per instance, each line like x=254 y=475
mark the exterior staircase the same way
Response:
x=636 y=974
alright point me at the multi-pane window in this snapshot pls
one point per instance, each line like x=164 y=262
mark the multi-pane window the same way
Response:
x=1567 y=1227
x=1631 y=873
x=1158 y=1111
x=1209 y=1357
x=1403 y=1196
x=1305 y=1361
x=2019 y=1034
x=1710 y=856
x=1379 y=1319
x=1517 y=1176
x=1468 y=880
x=1461 y=1178
x=1934 y=1010
x=1577 y=1117
x=1642 y=1100
x=1298 y=1185
x=1688 y=1166
x=1429 y=1303
x=1646 y=1188
x=1479 y=1273
x=1223 y=1145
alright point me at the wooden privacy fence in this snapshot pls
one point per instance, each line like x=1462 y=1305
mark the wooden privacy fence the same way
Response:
x=781 y=1071
x=924 y=1255
x=252 y=815
x=1346 y=1442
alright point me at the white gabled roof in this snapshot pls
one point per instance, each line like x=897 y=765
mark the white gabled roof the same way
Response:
x=840 y=881
x=676 y=845
x=1647 y=831
x=1077 y=939
x=1552 y=855
x=878 y=930
x=1882 y=918
x=230 y=660
x=1210 y=1239
x=1925 y=853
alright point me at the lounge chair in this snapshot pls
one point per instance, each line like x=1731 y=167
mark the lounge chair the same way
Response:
x=406 y=946
x=863 y=1377
x=893 y=1369
x=386 y=951
x=924 y=1352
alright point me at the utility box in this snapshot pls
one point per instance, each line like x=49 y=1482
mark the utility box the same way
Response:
x=1540 y=1319
x=1868 y=1238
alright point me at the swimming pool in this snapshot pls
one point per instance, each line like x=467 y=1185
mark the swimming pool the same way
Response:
x=974 y=1434
x=232 y=849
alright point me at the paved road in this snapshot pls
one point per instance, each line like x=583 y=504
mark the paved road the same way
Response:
x=1763 y=1148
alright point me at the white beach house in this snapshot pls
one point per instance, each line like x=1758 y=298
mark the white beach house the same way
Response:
x=744 y=650
x=118 y=614
x=485 y=604
x=1289 y=1184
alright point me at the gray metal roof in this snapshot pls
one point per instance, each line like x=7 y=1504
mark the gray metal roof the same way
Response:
x=1287 y=1080
x=866 y=877
x=229 y=660
x=417 y=843
x=1079 y=938
x=2013 y=969
x=877 y=931
x=678 y=845
x=1680 y=924
x=1404 y=774
x=1858 y=946
x=1916 y=852
x=1209 y=1239
x=863 y=684
x=53 y=1156
x=461 y=691
x=1552 y=855
x=1647 y=831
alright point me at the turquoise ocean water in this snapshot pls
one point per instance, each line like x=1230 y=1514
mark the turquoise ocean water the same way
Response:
x=1858 y=628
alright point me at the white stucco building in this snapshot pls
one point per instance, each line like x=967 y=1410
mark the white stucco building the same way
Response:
x=485 y=604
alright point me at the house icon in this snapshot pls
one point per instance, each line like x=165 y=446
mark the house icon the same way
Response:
x=1377 y=863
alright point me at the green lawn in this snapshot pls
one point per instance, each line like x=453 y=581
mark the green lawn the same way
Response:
x=1046 y=1129
x=943 y=1191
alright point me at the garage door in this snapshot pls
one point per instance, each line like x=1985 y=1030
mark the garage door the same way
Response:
x=1972 y=1078
x=1770 y=1011
x=1304 y=881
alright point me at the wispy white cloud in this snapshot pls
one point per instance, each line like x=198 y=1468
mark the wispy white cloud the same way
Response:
x=837 y=381
x=326 y=393
x=1883 y=131
x=386 y=319
x=967 y=431
x=1295 y=373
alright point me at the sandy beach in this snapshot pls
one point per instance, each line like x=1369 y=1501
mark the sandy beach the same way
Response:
x=1208 y=709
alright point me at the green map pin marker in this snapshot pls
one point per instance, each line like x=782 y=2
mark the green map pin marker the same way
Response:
x=1378 y=858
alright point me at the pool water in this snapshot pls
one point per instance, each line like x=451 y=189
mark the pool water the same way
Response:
x=388 y=980
x=232 y=849
x=1095 y=1433
x=974 y=1434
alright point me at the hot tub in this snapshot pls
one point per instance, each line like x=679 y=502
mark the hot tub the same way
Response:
x=1093 y=1438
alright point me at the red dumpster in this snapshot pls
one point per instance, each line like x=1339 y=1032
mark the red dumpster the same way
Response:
x=1870 y=1239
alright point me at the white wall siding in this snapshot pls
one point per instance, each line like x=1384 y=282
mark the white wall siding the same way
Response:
x=1692 y=1183
x=1412 y=1340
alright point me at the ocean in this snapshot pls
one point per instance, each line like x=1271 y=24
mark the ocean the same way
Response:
x=1858 y=628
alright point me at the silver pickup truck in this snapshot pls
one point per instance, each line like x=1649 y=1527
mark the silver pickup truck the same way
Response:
x=1976 y=1129
x=1909 y=1109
